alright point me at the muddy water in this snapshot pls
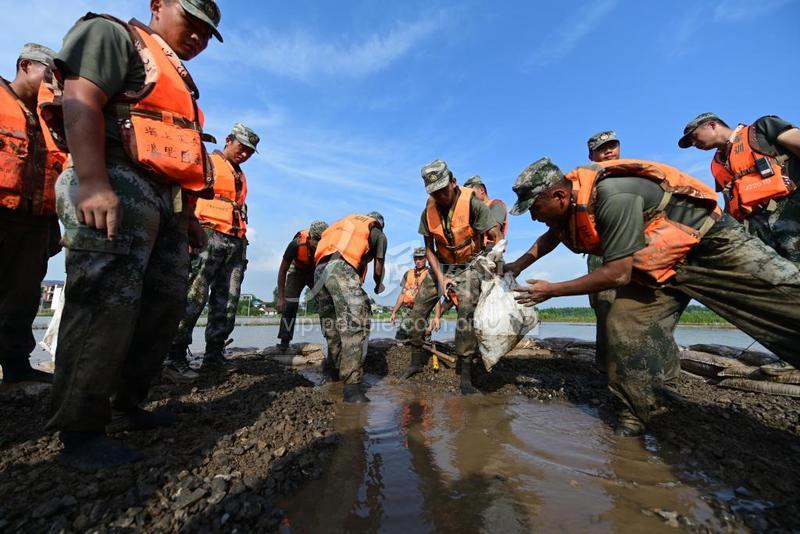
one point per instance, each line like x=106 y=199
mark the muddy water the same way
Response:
x=412 y=462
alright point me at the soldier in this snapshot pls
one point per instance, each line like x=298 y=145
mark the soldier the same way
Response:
x=409 y=288
x=343 y=255
x=295 y=273
x=29 y=166
x=220 y=267
x=497 y=206
x=453 y=224
x=603 y=146
x=757 y=168
x=136 y=144
x=664 y=242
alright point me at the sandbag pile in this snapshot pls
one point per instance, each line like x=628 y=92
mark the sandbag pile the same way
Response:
x=745 y=370
x=298 y=354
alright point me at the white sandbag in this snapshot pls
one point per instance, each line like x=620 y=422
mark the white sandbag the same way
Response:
x=500 y=321
x=50 y=339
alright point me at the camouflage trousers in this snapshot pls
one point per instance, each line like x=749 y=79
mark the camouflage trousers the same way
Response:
x=26 y=243
x=780 y=229
x=216 y=279
x=732 y=273
x=123 y=299
x=344 y=310
x=468 y=290
x=601 y=304
x=296 y=281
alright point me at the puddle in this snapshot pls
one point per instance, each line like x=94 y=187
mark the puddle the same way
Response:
x=419 y=462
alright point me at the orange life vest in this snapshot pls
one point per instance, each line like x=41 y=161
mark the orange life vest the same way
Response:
x=161 y=125
x=304 y=260
x=350 y=238
x=413 y=281
x=744 y=187
x=503 y=224
x=226 y=212
x=27 y=173
x=667 y=242
x=461 y=243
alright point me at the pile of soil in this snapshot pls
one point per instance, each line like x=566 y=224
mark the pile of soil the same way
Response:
x=747 y=443
x=245 y=436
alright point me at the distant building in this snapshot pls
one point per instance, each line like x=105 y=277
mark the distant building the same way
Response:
x=51 y=292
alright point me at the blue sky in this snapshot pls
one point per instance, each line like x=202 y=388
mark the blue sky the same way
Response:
x=351 y=98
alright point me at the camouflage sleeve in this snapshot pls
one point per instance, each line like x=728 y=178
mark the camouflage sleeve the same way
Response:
x=620 y=223
x=480 y=216
x=291 y=250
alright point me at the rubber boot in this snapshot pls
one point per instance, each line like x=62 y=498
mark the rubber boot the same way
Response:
x=353 y=394
x=91 y=451
x=139 y=419
x=466 y=378
x=283 y=346
x=329 y=372
x=628 y=425
x=417 y=364
x=23 y=372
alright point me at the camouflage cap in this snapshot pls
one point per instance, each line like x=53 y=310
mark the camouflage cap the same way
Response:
x=205 y=10
x=316 y=228
x=419 y=252
x=38 y=53
x=245 y=135
x=377 y=216
x=436 y=175
x=686 y=140
x=537 y=178
x=599 y=139
x=474 y=181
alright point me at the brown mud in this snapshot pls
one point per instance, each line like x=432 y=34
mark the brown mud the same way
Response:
x=250 y=437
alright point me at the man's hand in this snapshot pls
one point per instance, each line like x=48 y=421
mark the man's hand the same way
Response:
x=281 y=304
x=98 y=207
x=198 y=240
x=434 y=326
x=514 y=268
x=537 y=292
x=393 y=318
x=379 y=289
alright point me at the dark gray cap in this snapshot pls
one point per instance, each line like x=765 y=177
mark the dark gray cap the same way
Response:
x=245 y=135
x=377 y=216
x=419 y=252
x=599 y=139
x=316 y=228
x=474 y=181
x=436 y=175
x=686 y=141
x=205 y=10
x=38 y=53
x=537 y=178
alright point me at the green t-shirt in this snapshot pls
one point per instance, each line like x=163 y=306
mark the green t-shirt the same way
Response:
x=499 y=212
x=767 y=131
x=480 y=217
x=622 y=202
x=377 y=244
x=102 y=52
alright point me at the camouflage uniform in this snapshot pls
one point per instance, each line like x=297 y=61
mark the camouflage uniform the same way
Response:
x=221 y=268
x=123 y=299
x=344 y=310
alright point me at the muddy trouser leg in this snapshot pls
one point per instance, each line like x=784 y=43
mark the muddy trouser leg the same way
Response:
x=352 y=308
x=225 y=290
x=426 y=299
x=642 y=353
x=295 y=282
x=204 y=267
x=404 y=323
x=601 y=303
x=747 y=283
x=162 y=304
x=103 y=297
x=327 y=318
x=468 y=291
x=24 y=251
x=781 y=229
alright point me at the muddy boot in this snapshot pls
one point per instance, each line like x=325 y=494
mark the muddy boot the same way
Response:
x=628 y=425
x=417 y=364
x=329 y=372
x=139 y=419
x=90 y=451
x=353 y=394
x=23 y=372
x=213 y=358
x=466 y=378
x=176 y=366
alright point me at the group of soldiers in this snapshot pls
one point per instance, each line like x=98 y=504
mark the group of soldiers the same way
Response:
x=107 y=136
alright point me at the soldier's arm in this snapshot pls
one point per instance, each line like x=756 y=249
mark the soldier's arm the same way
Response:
x=790 y=140
x=399 y=301
x=97 y=204
x=494 y=234
x=282 y=270
x=436 y=267
x=541 y=248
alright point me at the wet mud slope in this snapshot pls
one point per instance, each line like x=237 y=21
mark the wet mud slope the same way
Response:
x=245 y=436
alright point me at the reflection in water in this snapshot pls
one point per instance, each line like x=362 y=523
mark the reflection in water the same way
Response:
x=412 y=462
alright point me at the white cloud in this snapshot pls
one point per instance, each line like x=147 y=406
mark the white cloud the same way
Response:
x=569 y=33
x=740 y=10
x=301 y=55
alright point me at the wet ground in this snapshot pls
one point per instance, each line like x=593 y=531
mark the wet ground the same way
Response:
x=260 y=448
